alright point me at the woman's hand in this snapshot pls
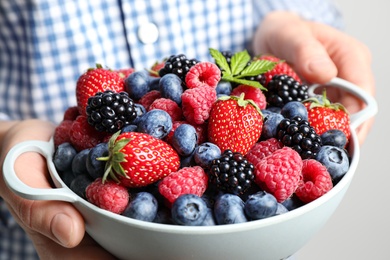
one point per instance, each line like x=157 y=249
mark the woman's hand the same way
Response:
x=318 y=53
x=56 y=228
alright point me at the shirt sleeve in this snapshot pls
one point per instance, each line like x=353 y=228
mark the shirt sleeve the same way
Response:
x=324 y=11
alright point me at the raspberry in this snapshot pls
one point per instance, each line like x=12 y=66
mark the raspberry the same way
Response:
x=169 y=106
x=251 y=93
x=281 y=68
x=61 y=133
x=203 y=74
x=197 y=103
x=315 y=183
x=148 y=98
x=83 y=135
x=125 y=72
x=188 y=180
x=279 y=173
x=71 y=113
x=109 y=195
x=263 y=149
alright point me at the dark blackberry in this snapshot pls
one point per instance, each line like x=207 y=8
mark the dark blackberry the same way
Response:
x=232 y=173
x=299 y=135
x=283 y=89
x=179 y=65
x=109 y=111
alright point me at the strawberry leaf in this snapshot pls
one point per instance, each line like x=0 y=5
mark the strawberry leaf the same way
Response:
x=239 y=61
x=220 y=60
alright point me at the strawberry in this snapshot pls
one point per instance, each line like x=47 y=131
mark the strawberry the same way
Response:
x=282 y=67
x=96 y=80
x=138 y=159
x=324 y=115
x=125 y=72
x=235 y=124
x=256 y=94
x=156 y=68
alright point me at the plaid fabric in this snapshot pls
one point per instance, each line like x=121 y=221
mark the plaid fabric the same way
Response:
x=46 y=44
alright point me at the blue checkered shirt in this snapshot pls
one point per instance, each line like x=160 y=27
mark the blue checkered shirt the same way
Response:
x=46 y=44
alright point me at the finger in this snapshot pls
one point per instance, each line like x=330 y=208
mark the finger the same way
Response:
x=57 y=220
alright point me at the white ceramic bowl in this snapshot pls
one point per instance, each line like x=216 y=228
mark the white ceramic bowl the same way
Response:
x=273 y=238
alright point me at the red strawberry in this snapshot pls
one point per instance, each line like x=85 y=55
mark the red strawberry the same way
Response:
x=124 y=73
x=108 y=195
x=251 y=93
x=138 y=159
x=279 y=173
x=203 y=74
x=234 y=124
x=316 y=181
x=188 y=180
x=280 y=68
x=95 y=80
x=324 y=115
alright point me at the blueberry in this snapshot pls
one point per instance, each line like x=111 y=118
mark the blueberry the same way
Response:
x=292 y=203
x=79 y=163
x=171 y=87
x=63 y=157
x=79 y=184
x=281 y=209
x=163 y=216
x=129 y=128
x=293 y=109
x=189 y=210
x=96 y=167
x=224 y=88
x=205 y=153
x=184 y=139
x=209 y=219
x=260 y=205
x=137 y=84
x=335 y=160
x=229 y=209
x=67 y=177
x=154 y=83
x=270 y=125
x=187 y=161
x=274 y=109
x=334 y=137
x=156 y=123
x=143 y=206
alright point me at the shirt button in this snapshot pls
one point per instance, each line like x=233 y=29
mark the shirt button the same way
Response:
x=148 y=33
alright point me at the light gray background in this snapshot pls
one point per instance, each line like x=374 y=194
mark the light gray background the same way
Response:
x=360 y=227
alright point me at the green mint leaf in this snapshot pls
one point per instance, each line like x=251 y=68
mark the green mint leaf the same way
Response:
x=239 y=61
x=220 y=60
x=252 y=83
x=257 y=67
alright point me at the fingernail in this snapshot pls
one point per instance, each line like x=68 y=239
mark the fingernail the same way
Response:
x=320 y=65
x=61 y=227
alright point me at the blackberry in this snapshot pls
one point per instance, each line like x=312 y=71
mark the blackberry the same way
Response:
x=283 y=89
x=232 y=173
x=299 y=135
x=109 y=111
x=179 y=65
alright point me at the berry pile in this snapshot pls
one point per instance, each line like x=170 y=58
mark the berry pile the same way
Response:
x=197 y=143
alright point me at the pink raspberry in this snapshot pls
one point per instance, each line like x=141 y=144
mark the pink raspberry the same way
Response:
x=83 y=135
x=169 y=106
x=188 y=180
x=71 y=113
x=252 y=93
x=263 y=149
x=203 y=74
x=61 y=133
x=279 y=173
x=109 y=195
x=196 y=104
x=316 y=181
x=148 y=98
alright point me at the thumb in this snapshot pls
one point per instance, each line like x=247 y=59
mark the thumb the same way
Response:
x=288 y=37
x=59 y=221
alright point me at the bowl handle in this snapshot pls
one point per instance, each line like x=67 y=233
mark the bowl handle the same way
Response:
x=25 y=191
x=361 y=116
